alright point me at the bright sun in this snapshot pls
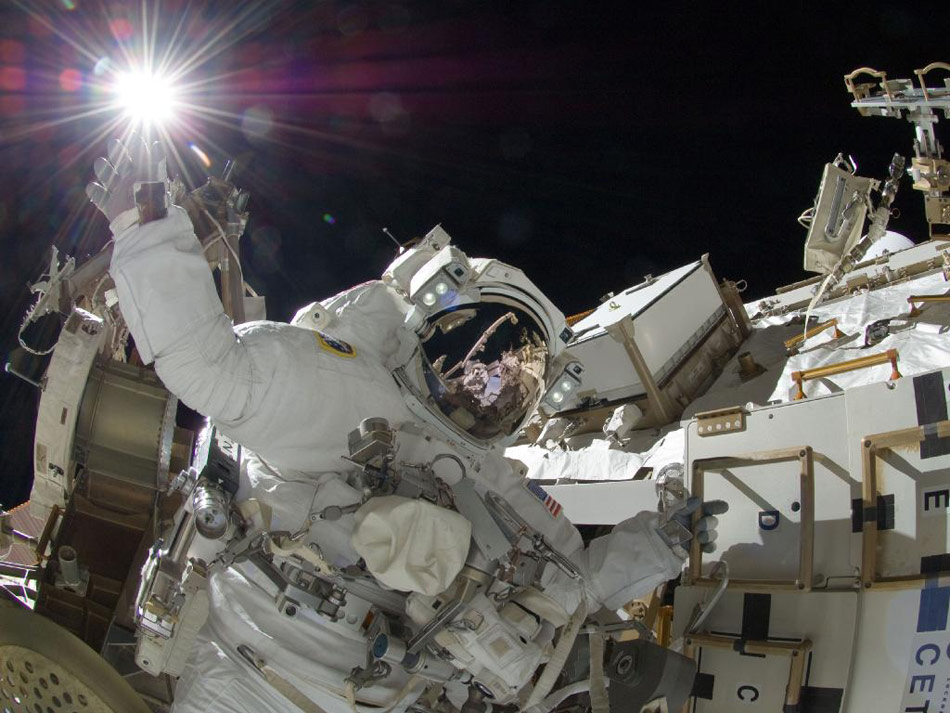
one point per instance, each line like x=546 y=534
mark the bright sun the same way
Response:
x=144 y=97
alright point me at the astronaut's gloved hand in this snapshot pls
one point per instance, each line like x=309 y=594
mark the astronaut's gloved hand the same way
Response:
x=705 y=529
x=132 y=183
x=679 y=527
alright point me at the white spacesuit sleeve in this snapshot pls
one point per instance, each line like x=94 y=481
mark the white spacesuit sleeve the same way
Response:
x=626 y=564
x=168 y=299
x=164 y=284
x=243 y=378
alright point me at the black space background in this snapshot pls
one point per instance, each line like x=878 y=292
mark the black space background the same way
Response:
x=588 y=143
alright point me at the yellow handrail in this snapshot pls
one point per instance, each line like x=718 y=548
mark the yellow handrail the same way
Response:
x=930 y=67
x=913 y=299
x=819 y=372
x=849 y=81
x=47 y=534
x=790 y=343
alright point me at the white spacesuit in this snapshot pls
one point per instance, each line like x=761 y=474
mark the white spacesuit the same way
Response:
x=292 y=395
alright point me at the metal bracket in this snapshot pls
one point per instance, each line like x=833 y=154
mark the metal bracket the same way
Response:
x=467 y=589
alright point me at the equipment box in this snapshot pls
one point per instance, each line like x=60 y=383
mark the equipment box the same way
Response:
x=664 y=339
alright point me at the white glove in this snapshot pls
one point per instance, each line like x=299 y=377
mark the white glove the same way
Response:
x=132 y=183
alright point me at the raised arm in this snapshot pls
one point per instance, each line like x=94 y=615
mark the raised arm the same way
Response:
x=266 y=384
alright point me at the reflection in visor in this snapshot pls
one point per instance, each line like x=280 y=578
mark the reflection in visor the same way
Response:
x=489 y=389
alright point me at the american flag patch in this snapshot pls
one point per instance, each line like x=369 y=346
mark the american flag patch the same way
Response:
x=552 y=505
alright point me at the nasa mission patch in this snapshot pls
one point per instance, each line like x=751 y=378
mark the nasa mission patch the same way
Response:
x=335 y=346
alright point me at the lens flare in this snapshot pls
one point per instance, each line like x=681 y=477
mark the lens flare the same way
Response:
x=145 y=97
x=203 y=157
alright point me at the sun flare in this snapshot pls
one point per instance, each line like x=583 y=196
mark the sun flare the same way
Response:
x=145 y=97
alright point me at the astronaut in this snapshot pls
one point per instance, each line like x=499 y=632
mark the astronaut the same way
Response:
x=424 y=567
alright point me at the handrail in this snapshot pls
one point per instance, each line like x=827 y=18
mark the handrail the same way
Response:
x=930 y=67
x=913 y=299
x=801 y=338
x=47 y=534
x=819 y=372
x=871 y=447
x=849 y=81
x=806 y=554
x=795 y=650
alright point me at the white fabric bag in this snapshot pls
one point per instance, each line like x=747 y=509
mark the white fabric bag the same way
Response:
x=410 y=544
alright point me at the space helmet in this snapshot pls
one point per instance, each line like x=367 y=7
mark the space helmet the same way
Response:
x=491 y=346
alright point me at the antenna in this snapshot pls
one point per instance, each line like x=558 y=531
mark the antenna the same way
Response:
x=393 y=238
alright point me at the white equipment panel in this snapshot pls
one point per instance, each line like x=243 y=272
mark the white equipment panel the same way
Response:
x=671 y=314
x=729 y=681
x=761 y=535
x=902 y=661
x=604 y=503
x=875 y=621
x=913 y=477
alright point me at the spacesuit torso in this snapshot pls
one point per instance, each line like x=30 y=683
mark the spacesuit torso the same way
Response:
x=291 y=396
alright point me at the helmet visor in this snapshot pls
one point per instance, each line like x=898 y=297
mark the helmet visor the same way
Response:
x=484 y=367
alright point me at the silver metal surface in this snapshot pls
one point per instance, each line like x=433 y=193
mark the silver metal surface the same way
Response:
x=210 y=505
x=489 y=537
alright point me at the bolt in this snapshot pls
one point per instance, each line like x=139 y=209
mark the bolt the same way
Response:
x=624 y=664
x=291 y=611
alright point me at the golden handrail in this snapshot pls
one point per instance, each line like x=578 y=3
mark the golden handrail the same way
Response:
x=849 y=81
x=819 y=372
x=47 y=533
x=930 y=67
x=790 y=343
x=795 y=650
x=913 y=299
